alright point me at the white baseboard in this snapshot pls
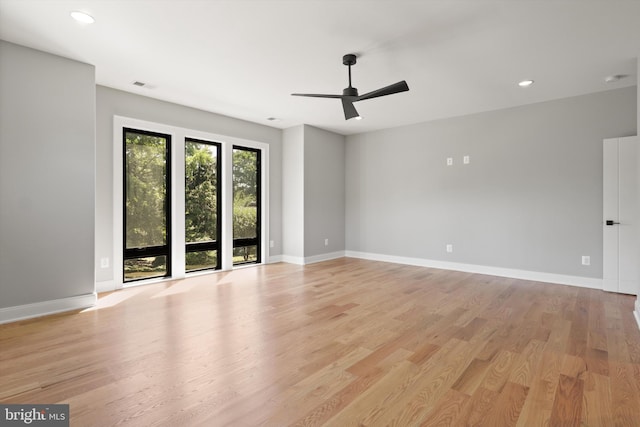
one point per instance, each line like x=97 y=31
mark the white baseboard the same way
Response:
x=324 y=257
x=292 y=259
x=312 y=259
x=274 y=259
x=27 y=311
x=106 y=286
x=636 y=313
x=583 y=282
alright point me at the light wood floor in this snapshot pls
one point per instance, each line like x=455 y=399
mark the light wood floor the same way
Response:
x=343 y=343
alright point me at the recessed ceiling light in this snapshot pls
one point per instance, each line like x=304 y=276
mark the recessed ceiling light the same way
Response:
x=273 y=119
x=82 y=17
x=140 y=84
x=358 y=117
x=525 y=83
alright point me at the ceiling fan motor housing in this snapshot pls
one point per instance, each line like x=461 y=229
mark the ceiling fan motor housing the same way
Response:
x=349 y=59
x=349 y=91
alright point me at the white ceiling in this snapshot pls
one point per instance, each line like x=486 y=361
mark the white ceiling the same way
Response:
x=243 y=58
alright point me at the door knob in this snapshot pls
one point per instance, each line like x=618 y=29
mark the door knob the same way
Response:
x=611 y=222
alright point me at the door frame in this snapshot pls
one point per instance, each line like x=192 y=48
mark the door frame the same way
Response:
x=614 y=220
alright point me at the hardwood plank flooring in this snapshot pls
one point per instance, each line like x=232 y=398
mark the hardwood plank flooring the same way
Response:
x=346 y=342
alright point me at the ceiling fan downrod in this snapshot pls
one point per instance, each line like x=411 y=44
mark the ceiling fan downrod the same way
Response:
x=349 y=60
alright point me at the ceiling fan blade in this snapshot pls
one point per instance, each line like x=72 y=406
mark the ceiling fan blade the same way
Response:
x=316 y=95
x=349 y=110
x=387 y=90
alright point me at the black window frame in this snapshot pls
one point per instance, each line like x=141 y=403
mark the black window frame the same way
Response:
x=149 y=251
x=253 y=241
x=211 y=245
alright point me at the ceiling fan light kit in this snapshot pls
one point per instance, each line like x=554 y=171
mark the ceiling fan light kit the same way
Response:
x=350 y=94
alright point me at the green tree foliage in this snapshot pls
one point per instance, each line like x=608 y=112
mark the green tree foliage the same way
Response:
x=201 y=201
x=145 y=171
x=245 y=219
x=245 y=199
x=245 y=192
x=146 y=195
x=201 y=194
x=245 y=168
x=200 y=260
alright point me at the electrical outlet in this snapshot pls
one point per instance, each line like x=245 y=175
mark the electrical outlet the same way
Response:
x=326 y=242
x=104 y=262
x=271 y=243
x=449 y=161
x=586 y=260
x=466 y=160
x=449 y=248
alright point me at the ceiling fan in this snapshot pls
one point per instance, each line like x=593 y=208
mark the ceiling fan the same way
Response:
x=350 y=94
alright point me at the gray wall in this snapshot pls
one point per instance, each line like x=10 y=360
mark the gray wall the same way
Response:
x=112 y=102
x=324 y=187
x=47 y=169
x=293 y=192
x=530 y=199
x=313 y=193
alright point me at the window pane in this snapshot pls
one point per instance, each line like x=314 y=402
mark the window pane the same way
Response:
x=202 y=204
x=245 y=200
x=144 y=268
x=147 y=197
x=145 y=190
x=201 y=192
x=201 y=260
x=246 y=205
x=245 y=254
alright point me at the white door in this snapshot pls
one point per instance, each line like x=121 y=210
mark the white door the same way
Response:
x=621 y=212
